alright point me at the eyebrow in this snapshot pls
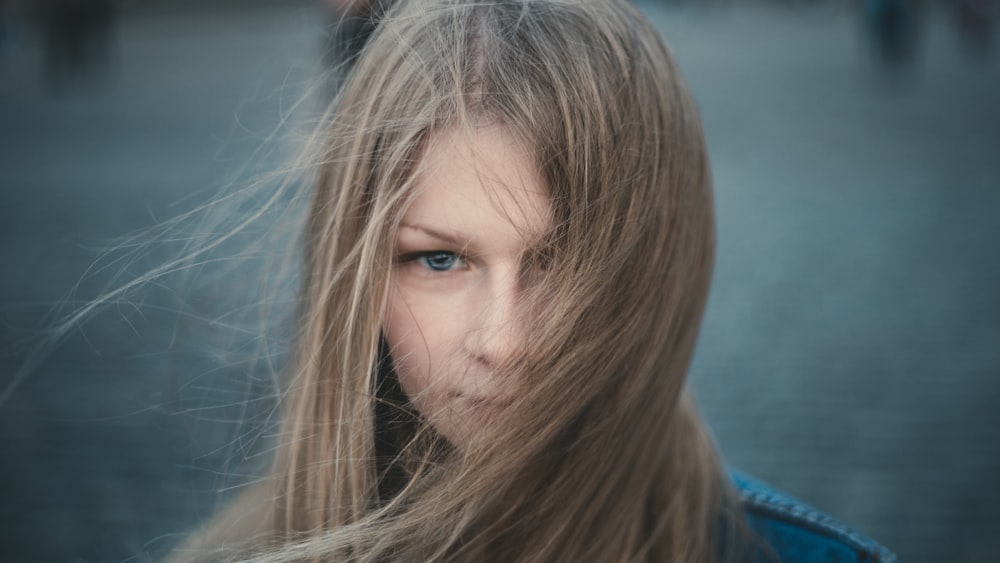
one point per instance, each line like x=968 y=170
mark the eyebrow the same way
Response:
x=442 y=236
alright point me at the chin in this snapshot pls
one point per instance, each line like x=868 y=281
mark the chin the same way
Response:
x=466 y=418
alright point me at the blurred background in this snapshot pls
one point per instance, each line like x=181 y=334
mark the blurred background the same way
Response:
x=851 y=350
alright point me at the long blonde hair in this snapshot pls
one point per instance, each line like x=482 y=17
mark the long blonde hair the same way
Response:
x=604 y=457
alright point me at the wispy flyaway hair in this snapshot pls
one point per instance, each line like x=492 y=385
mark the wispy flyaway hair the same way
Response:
x=602 y=457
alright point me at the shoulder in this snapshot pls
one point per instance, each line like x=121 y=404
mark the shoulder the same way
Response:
x=797 y=532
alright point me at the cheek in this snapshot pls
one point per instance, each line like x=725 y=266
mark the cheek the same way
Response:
x=422 y=343
x=425 y=336
x=409 y=353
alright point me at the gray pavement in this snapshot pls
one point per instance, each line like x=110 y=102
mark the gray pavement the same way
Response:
x=850 y=355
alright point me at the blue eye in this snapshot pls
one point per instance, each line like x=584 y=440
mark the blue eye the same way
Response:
x=439 y=261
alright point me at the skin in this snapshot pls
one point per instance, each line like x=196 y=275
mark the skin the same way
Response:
x=455 y=314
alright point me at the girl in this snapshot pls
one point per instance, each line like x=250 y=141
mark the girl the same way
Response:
x=507 y=256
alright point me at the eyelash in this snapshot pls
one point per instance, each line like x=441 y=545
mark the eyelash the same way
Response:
x=457 y=261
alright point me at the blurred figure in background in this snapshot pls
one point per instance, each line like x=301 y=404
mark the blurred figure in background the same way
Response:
x=351 y=24
x=76 y=37
x=4 y=25
x=976 y=21
x=894 y=29
x=11 y=24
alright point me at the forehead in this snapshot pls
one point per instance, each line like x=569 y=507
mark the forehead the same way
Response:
x=477 y=179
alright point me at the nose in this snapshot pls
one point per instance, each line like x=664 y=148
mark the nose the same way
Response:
x=496 y=332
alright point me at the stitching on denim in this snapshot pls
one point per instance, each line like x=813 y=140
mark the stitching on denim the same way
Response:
x=757 y=496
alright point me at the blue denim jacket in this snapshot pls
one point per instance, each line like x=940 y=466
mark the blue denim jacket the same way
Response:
x=798 y=533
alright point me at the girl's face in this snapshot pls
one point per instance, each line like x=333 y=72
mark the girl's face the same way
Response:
x=456 y=308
